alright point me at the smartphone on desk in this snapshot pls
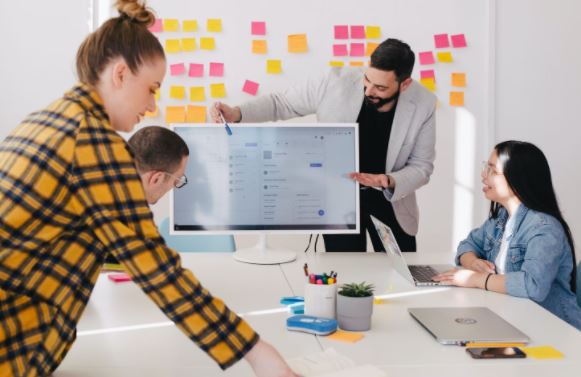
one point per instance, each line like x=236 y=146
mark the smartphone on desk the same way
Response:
x=496 y=353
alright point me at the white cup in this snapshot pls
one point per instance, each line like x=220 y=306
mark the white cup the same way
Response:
x=321 y=300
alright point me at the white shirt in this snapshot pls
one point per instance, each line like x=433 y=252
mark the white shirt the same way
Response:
x=500 y=260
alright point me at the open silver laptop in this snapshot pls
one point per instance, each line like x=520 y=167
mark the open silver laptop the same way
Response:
x=420 y=275
x=462 y=325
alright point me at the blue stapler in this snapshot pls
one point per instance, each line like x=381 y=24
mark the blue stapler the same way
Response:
x=311 y=324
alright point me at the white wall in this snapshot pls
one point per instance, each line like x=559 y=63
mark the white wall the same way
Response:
x=538 y=88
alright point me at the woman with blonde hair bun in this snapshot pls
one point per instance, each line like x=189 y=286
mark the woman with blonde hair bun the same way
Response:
x=70 y=196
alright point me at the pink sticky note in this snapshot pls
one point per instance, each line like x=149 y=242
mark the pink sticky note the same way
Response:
x=427 y=74
x=250 y=87
x=340 y=50
x=357 y=32
x=196 y=70
x=157 y=26
x=357 y=49
x=341 y=32
x=216 y=69
x=441 y=40
x=427 y=57
x=119 y=278
x=258 y=28
x=458 y=40
x=177 y=69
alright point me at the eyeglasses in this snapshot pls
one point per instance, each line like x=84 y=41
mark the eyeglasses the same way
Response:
x=488 y=169
x=179 y=181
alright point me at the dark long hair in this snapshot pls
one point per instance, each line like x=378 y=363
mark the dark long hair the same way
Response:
x=527 y=172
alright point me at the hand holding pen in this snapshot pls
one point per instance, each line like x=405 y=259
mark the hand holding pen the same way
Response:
x=222 y=113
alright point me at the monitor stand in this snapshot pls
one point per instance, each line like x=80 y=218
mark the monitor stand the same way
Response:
x=262 y=254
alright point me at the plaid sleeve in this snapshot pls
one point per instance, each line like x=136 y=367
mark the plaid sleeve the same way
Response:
x=111 y=197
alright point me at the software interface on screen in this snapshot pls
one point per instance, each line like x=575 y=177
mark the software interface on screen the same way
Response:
x=267 y=178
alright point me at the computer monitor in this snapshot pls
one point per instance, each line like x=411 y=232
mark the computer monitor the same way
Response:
x=268 y=178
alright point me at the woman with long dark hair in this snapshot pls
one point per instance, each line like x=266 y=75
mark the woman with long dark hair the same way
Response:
x=525 y=248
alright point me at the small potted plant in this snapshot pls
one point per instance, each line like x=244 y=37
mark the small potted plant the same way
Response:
x=355 y=306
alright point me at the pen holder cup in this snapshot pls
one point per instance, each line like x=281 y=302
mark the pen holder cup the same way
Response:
x=321 y=300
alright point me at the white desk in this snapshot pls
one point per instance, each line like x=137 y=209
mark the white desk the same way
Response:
x=396 y=343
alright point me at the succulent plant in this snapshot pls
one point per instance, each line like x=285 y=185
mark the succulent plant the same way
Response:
x=357 y=289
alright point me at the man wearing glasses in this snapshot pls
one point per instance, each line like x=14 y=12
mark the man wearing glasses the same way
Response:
x=397 y=135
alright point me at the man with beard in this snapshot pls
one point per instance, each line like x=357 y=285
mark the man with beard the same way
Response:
x=397 y=135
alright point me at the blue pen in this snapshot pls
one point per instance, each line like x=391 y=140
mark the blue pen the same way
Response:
x=228 y=130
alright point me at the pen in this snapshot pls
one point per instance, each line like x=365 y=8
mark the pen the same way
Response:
x=228 y=130
x=306 y=269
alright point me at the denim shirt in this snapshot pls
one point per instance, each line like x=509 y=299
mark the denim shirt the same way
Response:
x=538 y=262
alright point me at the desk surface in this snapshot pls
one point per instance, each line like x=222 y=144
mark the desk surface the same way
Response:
x=122 y=333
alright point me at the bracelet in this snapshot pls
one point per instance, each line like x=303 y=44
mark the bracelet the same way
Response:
x=486 y=282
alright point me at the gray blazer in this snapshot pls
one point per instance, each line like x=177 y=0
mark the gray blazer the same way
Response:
x=337 y=98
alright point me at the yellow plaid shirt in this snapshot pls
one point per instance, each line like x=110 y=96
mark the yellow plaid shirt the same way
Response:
x=69 y=196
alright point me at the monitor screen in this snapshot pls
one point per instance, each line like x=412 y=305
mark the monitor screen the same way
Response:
x=273 y=177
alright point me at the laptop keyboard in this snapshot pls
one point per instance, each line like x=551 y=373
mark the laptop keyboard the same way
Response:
x=422 y=274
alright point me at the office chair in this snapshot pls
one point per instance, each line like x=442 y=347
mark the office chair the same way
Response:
x=197 y=243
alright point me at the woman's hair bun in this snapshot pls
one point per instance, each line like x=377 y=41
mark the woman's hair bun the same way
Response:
x=136 y=11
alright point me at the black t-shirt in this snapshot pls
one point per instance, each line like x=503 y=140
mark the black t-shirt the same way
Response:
x=374 y=132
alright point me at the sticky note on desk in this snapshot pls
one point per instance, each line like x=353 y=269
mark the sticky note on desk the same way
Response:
x=346 y=336
x=542 y=352
x=119 y=278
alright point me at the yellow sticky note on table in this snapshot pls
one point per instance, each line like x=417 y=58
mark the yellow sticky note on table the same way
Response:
x=189 y=44
x=207 y=43
x=196 y=114
x=172 y=45
x=197 y=94
x=175 y=114
x=373 y=32
x=334 y=63
x=273 y=66
x=152 y=114
x=459 y=79
x=346 y=336
x=542 y=352
x=171 y=24
x=217 y=90
x=259 y=46
x=177 y=92
x=370 y=48
x=429 y=83
x=444 y=57
x=214 y=25
x=190 y=25
x=456 y=98
x=297 y=43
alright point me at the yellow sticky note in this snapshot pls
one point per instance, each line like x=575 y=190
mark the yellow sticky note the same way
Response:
x=214 y=25
x=297 y=43
x=542 y=352
x=196 y=114
x=345 y=336
x=172 y=45
x=217 y=90
x=177 y=92
x=445 y=57
x=175 y=114
x=373 y=32
x=459 y=79
x=379 y=301
x=259 y=46
x=334 y=63
x=153 y=114
x=207 y=43
x=190 y=25
x=370 y=47
x=456 y=98
x=356 y=64
x=429 y=83
x=273 y=66
x=189 y=44
x=197 y=94
x=171 y=24
x=157 y=94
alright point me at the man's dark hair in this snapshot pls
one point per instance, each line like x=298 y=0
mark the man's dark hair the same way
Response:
x=394 y=55
x=157 y=148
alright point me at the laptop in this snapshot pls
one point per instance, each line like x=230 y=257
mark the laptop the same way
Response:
x=462 y=325
x=420 y=275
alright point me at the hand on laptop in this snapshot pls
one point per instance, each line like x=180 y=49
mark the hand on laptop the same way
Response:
x=481 y=265
x=462 y=278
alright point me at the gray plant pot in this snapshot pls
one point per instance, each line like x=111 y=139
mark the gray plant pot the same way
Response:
x=354 y=313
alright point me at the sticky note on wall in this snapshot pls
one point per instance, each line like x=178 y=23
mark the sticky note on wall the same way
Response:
x=429 y=83
x=297 y=43
x=259 y=46
x=157 y=26
x=175 y=114
x=190 y=26
x=177 y=69
x=357 y=32
x=207 y=43
x=273 y=66
x=445 y=57
x=177 y=92
x=171 y=24
x=172 y=46
x=258 y=28
x=370 y=47
x=250 y=87
x=357 y=49
x=196 y=114
x=340 y=50
x=216 y=69
x=188 y=44
x=459 y=79
x=373 y=32
x=196 y=70
x=429 y=73
x=456 y=98
x=426 y=57
x=217 y=90
x=441 y=41
x=341 y=31
x=214 y=25
x=458 y=40
x=197 y=94
x=335 y=63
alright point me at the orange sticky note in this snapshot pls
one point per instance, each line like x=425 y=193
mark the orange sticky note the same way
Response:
x=214 y=25
x=356 y=64
x=456 y=98
x=189 y=44
x=346 y=336
x=172 y=46
x=175 y=114
x=373 y=32
x=297 y=43
x=459 y=79
x=197 y=94
x=196 y=114
x=259 y=46
x=177 y=92
x=273 y=66
x=153 y=114
x=171 y=24
x=444 y=57
x=429 y=83
x=207 y=43
x=217 y=90
x=190 y=25
x=542 y=352
x=370 y=48
x=334 y=63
